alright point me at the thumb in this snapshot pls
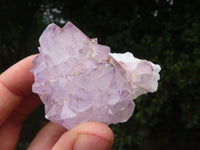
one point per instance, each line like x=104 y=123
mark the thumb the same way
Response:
x=86 y=136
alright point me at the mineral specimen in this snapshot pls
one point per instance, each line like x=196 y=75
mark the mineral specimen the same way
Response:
x=79 y=80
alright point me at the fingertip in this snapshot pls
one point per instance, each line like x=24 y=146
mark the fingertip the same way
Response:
x=96 y=129
x=90 y=135
x=18 y=78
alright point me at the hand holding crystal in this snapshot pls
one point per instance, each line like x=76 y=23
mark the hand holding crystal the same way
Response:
x=17 y=101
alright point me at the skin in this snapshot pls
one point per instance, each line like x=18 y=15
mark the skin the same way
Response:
x=17 y=102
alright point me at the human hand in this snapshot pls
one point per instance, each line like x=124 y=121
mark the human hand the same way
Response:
x=17 y=101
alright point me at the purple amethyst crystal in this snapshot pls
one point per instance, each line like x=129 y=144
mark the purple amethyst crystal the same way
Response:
x=79 y=80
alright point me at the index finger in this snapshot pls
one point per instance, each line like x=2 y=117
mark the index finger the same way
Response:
x=15 y=83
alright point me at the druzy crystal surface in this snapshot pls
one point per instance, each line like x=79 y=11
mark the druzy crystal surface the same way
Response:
x=79 y=80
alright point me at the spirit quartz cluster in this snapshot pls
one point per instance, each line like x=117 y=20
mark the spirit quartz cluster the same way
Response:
x=79 y=80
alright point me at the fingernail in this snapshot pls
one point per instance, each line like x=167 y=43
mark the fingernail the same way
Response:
x=91 y=142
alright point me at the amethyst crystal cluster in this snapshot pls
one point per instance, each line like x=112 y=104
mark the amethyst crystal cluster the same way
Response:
x=79 y=80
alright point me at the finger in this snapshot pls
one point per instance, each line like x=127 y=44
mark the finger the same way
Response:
x=15 y=83
x=18 y=78
x=10 y=130
x=47 y=137
x=9 y=134
x=86 y=136
x=24 y=109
